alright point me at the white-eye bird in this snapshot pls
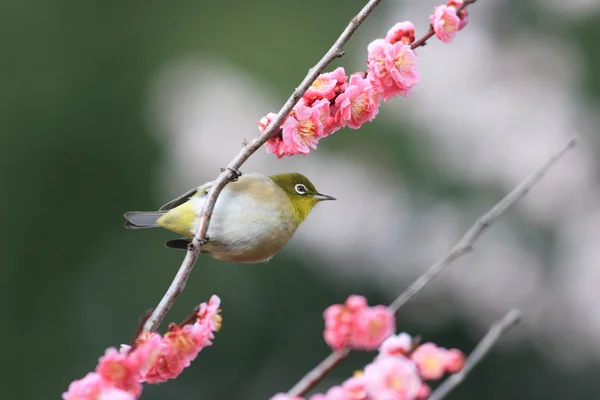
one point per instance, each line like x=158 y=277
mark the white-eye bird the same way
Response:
x=254 y=216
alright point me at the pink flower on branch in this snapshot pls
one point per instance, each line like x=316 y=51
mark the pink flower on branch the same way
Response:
x=397 y=345
x=326 y=86
x=401 y=32
x=372 y=326
x=445 y=23
x=392 y=378
x=302 y=131
x=154 y=359
x=358 y=104
x=431 y=361
x=392 y=68
x=356 y=325
x=116 y=394
x=455 y=361
x=463 y=14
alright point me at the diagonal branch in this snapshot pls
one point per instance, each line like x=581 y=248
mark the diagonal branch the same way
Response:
x=178 y=284
x=483 y=348
x=462 y=247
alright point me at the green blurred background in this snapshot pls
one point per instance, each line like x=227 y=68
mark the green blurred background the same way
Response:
x=111 y=106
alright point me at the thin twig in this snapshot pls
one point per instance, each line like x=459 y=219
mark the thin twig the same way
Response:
x=465 y=244
x=462 y=247
x=482 y=349
x=178 y=284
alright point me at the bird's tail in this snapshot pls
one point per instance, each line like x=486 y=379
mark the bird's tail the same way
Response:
x=142 y=219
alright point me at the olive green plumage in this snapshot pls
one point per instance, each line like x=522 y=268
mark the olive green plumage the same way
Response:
x=253 y=218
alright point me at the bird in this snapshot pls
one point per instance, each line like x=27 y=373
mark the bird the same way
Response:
x=254 y=216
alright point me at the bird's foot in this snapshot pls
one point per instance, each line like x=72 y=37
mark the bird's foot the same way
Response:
x=235 y=173
x=201 y=243
x=204 y=240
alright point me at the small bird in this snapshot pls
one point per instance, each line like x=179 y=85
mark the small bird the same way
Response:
x=254 y=216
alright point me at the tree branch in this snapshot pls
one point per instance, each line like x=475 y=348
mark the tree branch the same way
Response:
x=178 y=284
x=462 y=247
x=484 y=347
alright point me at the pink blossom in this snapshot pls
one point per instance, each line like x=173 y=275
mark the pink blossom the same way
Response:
x=323 y=108
x=392 y=68
x=401 y=32
x=120 y=370
x=396 y=345
x=338 y=326
x=326 y=86
x=87 y=388
x=208 y=314
x=372 y=326
x=302 y=132
x=180 y=345
x=145 y=354
x=265 y=121
x=455 y=361
x=424 y=391
x=355 y=302
x=355 y=388
x=283 y=396
x=116 y=394
x=463 y=15
x=445 y=23
x=358 y=104
x=431 y=361
x=391 y=378
x=275 y=145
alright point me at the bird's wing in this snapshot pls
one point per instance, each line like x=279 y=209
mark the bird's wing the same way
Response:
x=202 y=190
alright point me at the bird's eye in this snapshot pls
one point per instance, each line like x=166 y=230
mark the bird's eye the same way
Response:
x=300 y=188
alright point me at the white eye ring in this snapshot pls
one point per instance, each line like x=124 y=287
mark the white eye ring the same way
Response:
x=300 y=188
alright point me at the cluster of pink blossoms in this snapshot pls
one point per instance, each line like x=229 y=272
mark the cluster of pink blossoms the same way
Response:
x=356 y=325
x=120 y=373
x=334 y=101
x=398 y=372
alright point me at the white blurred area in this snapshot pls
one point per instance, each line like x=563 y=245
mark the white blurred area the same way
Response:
x=492 y=111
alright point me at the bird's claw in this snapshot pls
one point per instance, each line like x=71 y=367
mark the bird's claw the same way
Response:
x=204 y=240
x=201 y=243
x=235 y=173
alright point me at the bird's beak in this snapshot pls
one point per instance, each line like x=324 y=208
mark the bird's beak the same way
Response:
x=322 y=197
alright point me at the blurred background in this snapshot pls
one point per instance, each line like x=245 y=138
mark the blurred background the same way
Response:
x=113 y=106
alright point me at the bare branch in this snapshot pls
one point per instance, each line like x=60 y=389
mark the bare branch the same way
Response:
x=178 y=284
x=482 y=349
x=316 y=374
x=466 y=243
x=462 y=247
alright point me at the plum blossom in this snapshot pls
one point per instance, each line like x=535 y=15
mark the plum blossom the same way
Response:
x=354 y=324
x=392 y=378
x=431 y=361
x=326 y=86
x=303 y=131
x=372 y=325
x=401 y=32
x=463 y=15
x=455 y=361
x=445 y=23
x=358 y=104
x=153 y=359
x=396 y=345
x=392 y=68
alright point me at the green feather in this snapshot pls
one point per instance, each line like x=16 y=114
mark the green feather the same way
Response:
x=302 y=203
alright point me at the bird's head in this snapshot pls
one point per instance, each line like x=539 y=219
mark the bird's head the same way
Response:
x=302 y=193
